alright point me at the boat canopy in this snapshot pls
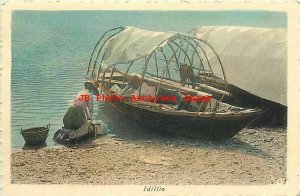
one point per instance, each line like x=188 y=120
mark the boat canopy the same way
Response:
x=133 y=44
x=255 y=59
x=158 y=55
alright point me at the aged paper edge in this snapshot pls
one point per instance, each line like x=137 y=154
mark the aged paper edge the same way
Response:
x=293 y=146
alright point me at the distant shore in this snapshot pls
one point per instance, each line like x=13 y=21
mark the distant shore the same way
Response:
x=254 y=156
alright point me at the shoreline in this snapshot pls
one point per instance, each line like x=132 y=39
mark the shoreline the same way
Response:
x=252 y=157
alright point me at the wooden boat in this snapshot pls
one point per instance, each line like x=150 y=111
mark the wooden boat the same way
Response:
x=274 y=113
x=155 y=59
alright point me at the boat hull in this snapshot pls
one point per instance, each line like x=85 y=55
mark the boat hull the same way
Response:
x=210 y=128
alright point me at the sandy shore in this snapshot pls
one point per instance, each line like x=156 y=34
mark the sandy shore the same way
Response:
x=254 y=156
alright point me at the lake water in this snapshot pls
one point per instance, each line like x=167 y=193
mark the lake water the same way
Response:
x=50 y=53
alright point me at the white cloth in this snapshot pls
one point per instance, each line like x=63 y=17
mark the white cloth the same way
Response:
x=147 y=90
x=254 y=59
x=116 y=89
x=131 y=44
x=128 y=91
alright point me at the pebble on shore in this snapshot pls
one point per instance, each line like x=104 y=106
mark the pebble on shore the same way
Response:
x=252 y=157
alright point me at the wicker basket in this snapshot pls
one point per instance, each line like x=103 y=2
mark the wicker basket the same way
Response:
x=36 y=135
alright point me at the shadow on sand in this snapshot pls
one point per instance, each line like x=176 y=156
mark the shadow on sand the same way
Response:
x=34 y=147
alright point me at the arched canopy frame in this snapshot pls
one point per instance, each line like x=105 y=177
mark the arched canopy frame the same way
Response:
x=175 y=46
x=118 y=29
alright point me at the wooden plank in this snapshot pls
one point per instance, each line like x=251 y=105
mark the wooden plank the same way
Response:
x=210 y=88
x=175 y=85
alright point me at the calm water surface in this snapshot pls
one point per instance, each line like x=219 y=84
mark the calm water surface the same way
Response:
x=50 y=53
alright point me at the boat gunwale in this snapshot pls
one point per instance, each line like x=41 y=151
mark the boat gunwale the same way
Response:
x=143 y=105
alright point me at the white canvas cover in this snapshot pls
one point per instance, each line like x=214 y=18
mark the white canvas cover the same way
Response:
x=131 y=44
x=254 y=59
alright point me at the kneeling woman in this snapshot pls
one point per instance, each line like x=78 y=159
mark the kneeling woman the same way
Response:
x=80 y=110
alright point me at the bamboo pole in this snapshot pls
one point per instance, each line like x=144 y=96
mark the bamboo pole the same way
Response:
x=97 y=44
x=99 y=51
x=125 y=76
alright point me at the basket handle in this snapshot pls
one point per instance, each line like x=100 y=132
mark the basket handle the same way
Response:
x=48 y=126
